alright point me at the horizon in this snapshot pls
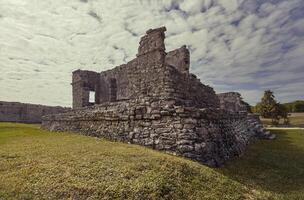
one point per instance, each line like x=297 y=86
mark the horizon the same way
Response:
x=240 y=46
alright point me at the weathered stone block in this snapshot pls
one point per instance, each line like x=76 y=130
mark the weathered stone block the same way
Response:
x=185 y=148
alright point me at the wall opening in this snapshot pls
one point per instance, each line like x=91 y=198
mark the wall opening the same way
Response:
x=92 y=97
x=113 y=89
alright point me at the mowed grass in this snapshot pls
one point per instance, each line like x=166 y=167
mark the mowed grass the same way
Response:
x=275 y=166
x=36 y=164
x=295 y=119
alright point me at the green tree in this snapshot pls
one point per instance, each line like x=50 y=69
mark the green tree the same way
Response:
x=270 y=108
x=280 y=111
x=256 y=108
x=267 y=105
x=299 y=106
x=295 y=106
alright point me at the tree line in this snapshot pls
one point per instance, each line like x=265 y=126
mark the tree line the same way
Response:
x=296 y=106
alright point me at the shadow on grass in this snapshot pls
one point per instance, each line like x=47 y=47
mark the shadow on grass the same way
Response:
x=276 y=166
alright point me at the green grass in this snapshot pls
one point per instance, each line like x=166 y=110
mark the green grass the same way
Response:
x=274 y=166
x=296 y=120
x=36 y=164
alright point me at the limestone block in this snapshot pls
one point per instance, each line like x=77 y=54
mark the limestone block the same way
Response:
x=185 y=148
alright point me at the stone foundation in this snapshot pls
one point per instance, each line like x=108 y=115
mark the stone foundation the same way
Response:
x=210 y=136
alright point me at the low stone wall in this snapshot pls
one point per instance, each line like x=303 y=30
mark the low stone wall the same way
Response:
x=187 y=131
x=26 y=113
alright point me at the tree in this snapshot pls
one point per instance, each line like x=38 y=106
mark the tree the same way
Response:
x=267 y=105
x=283 y=113
x=280 y=111
x=299 y=106
x=256 y=108
x=295 y=106
x=270 y=108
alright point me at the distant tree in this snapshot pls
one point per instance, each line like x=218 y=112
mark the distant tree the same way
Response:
x=295 y=106
x=256 y=108
x=267 y=105
x=289 y=107
x=280 y=111
x=299 y=106
x=270 y=108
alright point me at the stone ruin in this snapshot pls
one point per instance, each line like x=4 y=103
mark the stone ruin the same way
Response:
x=155 y=101
x=26 y=113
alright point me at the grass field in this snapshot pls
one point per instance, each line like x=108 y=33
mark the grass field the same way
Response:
x=296 y=119
x=36 y=164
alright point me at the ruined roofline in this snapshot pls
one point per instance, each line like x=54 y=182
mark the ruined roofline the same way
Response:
x=83 y=70
x=153 y=41
x=229 y=93
x=160 y=29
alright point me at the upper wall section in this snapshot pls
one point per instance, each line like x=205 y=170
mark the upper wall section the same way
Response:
x=188 y=90
x=153 y=74
x=143 y=76
x=82 y=83
x=137 y=79
x=180 y=59
x=152 y=41
x=232 y=101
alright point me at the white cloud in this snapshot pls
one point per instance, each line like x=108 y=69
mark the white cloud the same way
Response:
x=238 y=45
x=230 y=5
x=193 y=7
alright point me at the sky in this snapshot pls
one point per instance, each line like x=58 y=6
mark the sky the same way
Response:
x=246 y=46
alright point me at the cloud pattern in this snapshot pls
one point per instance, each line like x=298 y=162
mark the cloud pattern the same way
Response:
x=236 y=45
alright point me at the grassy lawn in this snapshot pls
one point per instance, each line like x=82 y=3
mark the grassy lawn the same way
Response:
x=36 y=164
x=296 y=119
x=274 y=166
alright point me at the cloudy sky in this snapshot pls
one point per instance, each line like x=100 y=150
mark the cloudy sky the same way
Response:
x=236 y=45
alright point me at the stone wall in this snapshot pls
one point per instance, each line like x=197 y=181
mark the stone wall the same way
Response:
x=152 y=41
x=179 y=59
x=83 y=82
x=187 y=90
x=26 y=113
x=153 y=73
x=136 y=79
x=142 y=76
x=232 y=101
x=210 y=136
